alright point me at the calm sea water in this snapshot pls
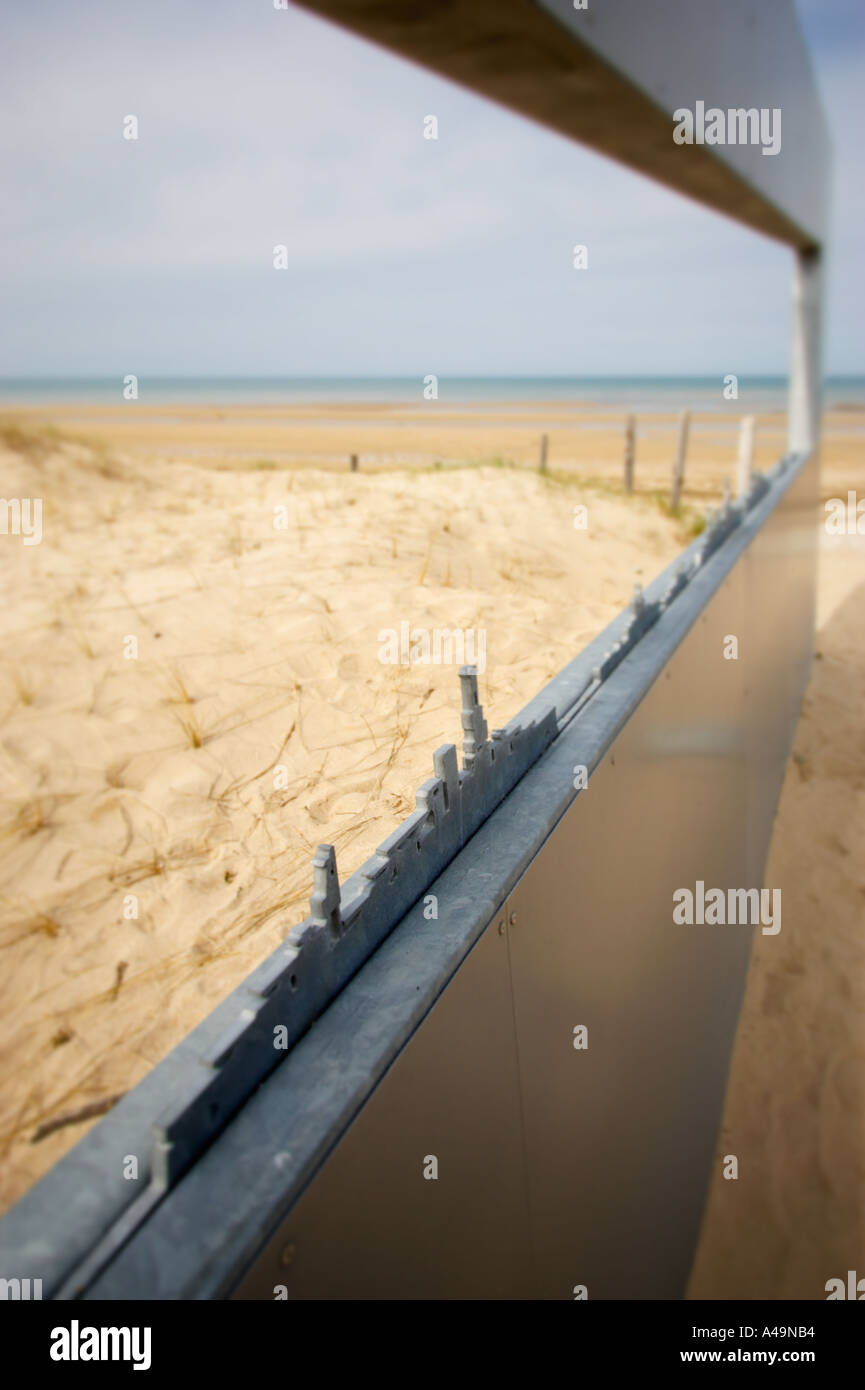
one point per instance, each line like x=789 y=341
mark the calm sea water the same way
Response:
x=646 y=394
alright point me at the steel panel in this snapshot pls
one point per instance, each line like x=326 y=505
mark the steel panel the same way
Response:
x=781 y=571
x=620 y=1136
x=371 y=1225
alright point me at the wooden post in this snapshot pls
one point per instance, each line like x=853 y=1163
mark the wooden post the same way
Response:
x=542 y=466
x=353 y=463
x=746 y=455
x=679 y=468
x=630 y=430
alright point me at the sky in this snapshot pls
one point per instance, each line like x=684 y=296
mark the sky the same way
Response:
x=261 y=127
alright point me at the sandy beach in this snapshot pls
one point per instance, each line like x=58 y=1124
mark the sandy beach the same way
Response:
x=191 y=699
x=584 y=438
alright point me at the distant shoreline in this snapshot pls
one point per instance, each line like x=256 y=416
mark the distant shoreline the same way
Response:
x=756 y=394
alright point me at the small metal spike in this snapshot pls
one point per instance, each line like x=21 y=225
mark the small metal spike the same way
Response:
x=446 y=767
x=324 y=903
x=676 y=586
x=473 y=722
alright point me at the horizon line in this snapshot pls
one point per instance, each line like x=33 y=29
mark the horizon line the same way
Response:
x=411 y=376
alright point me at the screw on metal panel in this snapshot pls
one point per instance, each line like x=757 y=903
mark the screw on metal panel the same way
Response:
x=501 y=928
x=287 y=1255
x=513 y=919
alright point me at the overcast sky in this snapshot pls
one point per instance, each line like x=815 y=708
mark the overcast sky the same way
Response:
x=407 y=256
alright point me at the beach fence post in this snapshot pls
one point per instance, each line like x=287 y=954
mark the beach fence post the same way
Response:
x=746 y=455
x=352 y=463
x=679 y=467
x=630 y=432
x=542 y=465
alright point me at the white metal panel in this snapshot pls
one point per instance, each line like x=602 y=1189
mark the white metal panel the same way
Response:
x=742 y=53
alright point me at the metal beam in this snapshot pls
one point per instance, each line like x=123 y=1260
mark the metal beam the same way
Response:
x=612 y=75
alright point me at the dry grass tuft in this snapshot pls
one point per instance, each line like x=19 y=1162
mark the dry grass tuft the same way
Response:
x=24 y=688
x=28 y=820
x=31 y=442
x=192 y=729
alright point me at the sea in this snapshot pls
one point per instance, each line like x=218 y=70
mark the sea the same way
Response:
x=645 y=394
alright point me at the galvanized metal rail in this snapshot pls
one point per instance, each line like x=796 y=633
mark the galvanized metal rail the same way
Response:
x=345 y=925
